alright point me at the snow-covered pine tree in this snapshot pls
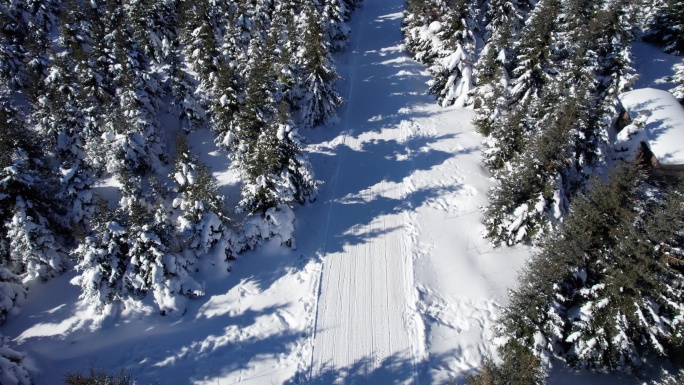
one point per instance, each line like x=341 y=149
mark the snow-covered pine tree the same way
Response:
x=13 y=33
x=12 y=292
x=262 y=94
x=28 y=210
x=418 y=18
x=509 y=135
x=279 y=173
x=667 y=26
x=154 y=27
x=612 y=27
x=678 y=78
x=287 y=47
x=154 y=264
x=185 y=104
x=102 y=259
x=335 y=29
x=203 y=221
x=604 y=290
x=33 y=250
x=318 y=75
x=452 y=68
x=59 y=119
x=533 y=63
x=199 y=40
x=134 y=133
x=492 y=70
x=535 y=194
x=225 y=103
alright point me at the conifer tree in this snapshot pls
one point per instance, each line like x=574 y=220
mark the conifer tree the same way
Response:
x=418 y=16
x=533 y=64
x=279 y=174
x=603 y=291
x=203 y=221
x=226 y=103
x=34 y=252
x=336 y=31
x=678 y=78
x=102 y=260
x=492 y=70
x=667 y=26
x=12 y=366
x=318 y=74
x=28 y=212
x=452 y=69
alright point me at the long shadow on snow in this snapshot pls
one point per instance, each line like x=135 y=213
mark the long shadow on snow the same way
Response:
x=400 y=368
x=358 y=198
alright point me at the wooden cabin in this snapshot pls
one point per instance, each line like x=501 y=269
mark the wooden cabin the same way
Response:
x=658 y=135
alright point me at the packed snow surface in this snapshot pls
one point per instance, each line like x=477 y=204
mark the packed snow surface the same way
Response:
x=391 y=281
x=663 y=119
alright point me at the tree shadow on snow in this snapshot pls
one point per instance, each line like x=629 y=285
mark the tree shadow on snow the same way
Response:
x=373 y=181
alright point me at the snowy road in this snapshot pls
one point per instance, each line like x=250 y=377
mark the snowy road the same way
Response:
x=367 y=329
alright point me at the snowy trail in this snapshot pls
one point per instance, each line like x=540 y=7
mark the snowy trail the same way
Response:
x=367 y=330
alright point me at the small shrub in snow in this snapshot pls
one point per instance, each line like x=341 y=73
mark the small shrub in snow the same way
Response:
x=99 y=377
x=12 y=372
x=519 y=366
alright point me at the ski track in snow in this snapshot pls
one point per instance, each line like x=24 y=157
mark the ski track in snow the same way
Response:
x=365 y=332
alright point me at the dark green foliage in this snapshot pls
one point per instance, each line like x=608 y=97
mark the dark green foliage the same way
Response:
x=99 y=377
x=667 y=26
x=603 y=290
x=519 y=366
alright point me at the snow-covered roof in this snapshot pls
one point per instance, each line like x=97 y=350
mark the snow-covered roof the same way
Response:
x=664 y=122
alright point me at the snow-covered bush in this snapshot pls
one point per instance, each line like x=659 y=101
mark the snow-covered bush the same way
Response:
x=12 y=372
x=518 y=366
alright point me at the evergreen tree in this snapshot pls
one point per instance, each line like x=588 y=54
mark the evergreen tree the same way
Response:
x=12 y=292
x=226 y=103
x=418 y=16
x=58 y=117
x=603 y=291
x=678 y=78
x=186 y=105
x=536 y=192
x=319 y=99
x=33 y=249
x=667 y=26
x=28 y=211
x=102 y=260
x=452 y=69
x=492 y=70
x=335 y=28
x=13 y=34
x=203 y=221
x=533 y=64
x=279 y=174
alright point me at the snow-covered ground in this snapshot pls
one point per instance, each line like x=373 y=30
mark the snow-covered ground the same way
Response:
x=391 y=281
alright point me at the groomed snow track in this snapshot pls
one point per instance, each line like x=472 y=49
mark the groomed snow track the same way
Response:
x=367 y=330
